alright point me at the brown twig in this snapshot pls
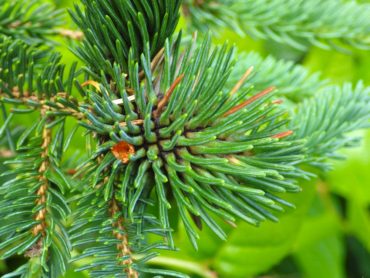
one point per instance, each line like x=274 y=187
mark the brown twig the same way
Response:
x=71 y=34
x=283 y=134
x=249 y=101
x=167 y=96
x=42 y=191
x=242 y=80
x=26 y=96
x=158 y=58
x=120 y=233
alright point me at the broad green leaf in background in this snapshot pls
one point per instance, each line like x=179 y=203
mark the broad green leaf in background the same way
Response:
x=359 y=223
x=351 y=181
x=319 y=250
x=252 y=250
x=324 y=258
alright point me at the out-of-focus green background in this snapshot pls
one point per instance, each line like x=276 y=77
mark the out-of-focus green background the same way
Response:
x=328 y=235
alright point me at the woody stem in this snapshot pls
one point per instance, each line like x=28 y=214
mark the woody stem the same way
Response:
x=42 y=190
x=120 y=233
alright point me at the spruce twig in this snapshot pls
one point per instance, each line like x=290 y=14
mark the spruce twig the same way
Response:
x=41 y=200
x=120 y=233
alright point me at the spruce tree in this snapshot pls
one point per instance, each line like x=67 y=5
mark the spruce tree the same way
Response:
x=177 y=128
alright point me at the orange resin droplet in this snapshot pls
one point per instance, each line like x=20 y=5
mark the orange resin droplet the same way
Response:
x=123 y=151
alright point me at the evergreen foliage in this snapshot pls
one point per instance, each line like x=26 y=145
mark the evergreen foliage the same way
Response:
x=32 y=72
x=331 y=23
x=114 y=28
x=294 y=82
x=328 y=130
x=28 y=20
x=178 y=127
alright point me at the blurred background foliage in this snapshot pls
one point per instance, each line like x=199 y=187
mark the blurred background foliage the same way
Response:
x=328 y=235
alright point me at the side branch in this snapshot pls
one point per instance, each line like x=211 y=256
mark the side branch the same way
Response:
x=27 y=98
x=120 y=233
x=41 y=193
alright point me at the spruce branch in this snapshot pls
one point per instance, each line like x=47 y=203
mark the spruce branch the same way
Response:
x=294 y=82
x=119 y=239
x=30 y=80
x=32 y=206
x=193 y=129
x=33 y=196
x=328 y=120
x=195 y=149
x=27 y=71
x=113 y=29
x=208 y=15
x=44 y=183
x=121 y=235
x=29 y=21
x=326 y=24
